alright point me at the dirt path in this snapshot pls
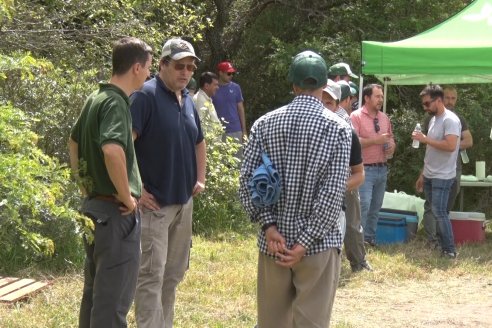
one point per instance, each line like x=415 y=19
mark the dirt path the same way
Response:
x=464 y=302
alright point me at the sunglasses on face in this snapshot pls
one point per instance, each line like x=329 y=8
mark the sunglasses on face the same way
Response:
x=180 y=67
x=230 y=73
x=427 y=103
x=376 y=125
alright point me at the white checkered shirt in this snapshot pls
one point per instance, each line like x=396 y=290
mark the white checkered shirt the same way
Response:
x=310 y=148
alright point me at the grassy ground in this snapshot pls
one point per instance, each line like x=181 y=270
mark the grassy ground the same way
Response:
x=411 y=286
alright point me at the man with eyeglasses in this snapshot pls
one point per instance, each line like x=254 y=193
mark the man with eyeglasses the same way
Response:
x=441 y=153
x=376 y=137
x=171 y=155
x=229 y=104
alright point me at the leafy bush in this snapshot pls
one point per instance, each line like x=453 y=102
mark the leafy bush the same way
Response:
x=36 y=221
x=53 y=99
x=218 y=209
x=407 y=162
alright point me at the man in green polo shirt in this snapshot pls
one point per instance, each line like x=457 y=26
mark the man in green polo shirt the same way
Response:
x=103 y=159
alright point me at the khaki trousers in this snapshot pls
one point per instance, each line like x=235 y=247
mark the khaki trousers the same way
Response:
x=166 y=241
x=300 y=297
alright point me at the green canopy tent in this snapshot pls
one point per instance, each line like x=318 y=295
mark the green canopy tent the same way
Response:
x=459 y=50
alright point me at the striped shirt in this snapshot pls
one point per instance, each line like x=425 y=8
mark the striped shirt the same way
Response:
x=310 y=148
x=344 y=115
x=364 y=126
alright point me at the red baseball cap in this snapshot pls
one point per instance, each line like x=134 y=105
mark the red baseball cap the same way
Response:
x=226 y=66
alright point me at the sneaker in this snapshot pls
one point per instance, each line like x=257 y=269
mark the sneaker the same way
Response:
x=370 y=242
x=366 y=266
x=361 y=266
x=449 y=255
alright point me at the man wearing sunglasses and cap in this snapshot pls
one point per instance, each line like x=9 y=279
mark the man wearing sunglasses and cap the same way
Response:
x=376 y=137
x=229 y=104
x=171 y=154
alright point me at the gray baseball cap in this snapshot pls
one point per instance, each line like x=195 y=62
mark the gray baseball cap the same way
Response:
x=178 y=49
x=333 y=89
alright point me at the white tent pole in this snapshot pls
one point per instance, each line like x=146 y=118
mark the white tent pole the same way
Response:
x=361 y=83
x=384 y=95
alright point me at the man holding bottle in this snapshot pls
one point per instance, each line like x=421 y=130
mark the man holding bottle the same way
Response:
x=466 y=141
x=439 y=173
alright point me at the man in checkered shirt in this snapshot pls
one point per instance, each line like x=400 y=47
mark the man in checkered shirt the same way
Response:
x=300 y=237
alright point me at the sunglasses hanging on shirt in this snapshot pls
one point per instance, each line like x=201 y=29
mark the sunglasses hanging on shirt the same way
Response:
x=376 y=125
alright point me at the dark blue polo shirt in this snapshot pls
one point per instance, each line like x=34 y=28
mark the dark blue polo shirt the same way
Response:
x=166 y=138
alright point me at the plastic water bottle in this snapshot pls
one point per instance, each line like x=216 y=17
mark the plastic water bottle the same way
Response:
x=416 y=143
x=464 y=156
x=385 y=147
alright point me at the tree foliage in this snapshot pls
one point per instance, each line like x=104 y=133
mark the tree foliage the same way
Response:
x=52 y=52
x=266 y=41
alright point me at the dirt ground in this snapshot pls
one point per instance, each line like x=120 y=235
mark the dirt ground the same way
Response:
x=464 y=302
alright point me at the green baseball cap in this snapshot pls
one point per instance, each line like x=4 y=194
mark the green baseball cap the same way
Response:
x=345 y=89
x=353 y=88
x=341 y=69
x=192 y=85
x=308 y=70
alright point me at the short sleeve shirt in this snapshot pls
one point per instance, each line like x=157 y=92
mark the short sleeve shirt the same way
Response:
x=364 y=126
x=225 y=101
x=439 y=164
x=104 y=119
x=167 y=134
x=464 y=127
x=355 y=150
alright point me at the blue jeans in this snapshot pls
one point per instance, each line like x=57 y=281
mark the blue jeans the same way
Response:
x=437 y=194
x=371 y=199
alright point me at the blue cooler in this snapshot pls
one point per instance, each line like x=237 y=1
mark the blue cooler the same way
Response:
x=391 y=230
x=411 y=219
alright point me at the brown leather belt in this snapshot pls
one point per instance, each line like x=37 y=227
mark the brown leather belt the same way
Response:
x=376 y=164
x=110 y=198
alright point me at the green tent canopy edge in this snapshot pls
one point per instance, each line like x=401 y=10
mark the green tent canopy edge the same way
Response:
x=459 y=50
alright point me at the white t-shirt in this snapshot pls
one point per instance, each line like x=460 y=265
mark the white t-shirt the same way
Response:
x=439 y=164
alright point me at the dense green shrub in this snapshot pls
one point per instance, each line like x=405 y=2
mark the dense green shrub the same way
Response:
x=407 y=161
x=53 y=99
x=36 y=221
x=218 y=209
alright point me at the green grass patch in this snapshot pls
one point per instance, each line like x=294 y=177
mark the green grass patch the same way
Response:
x=219 y=290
